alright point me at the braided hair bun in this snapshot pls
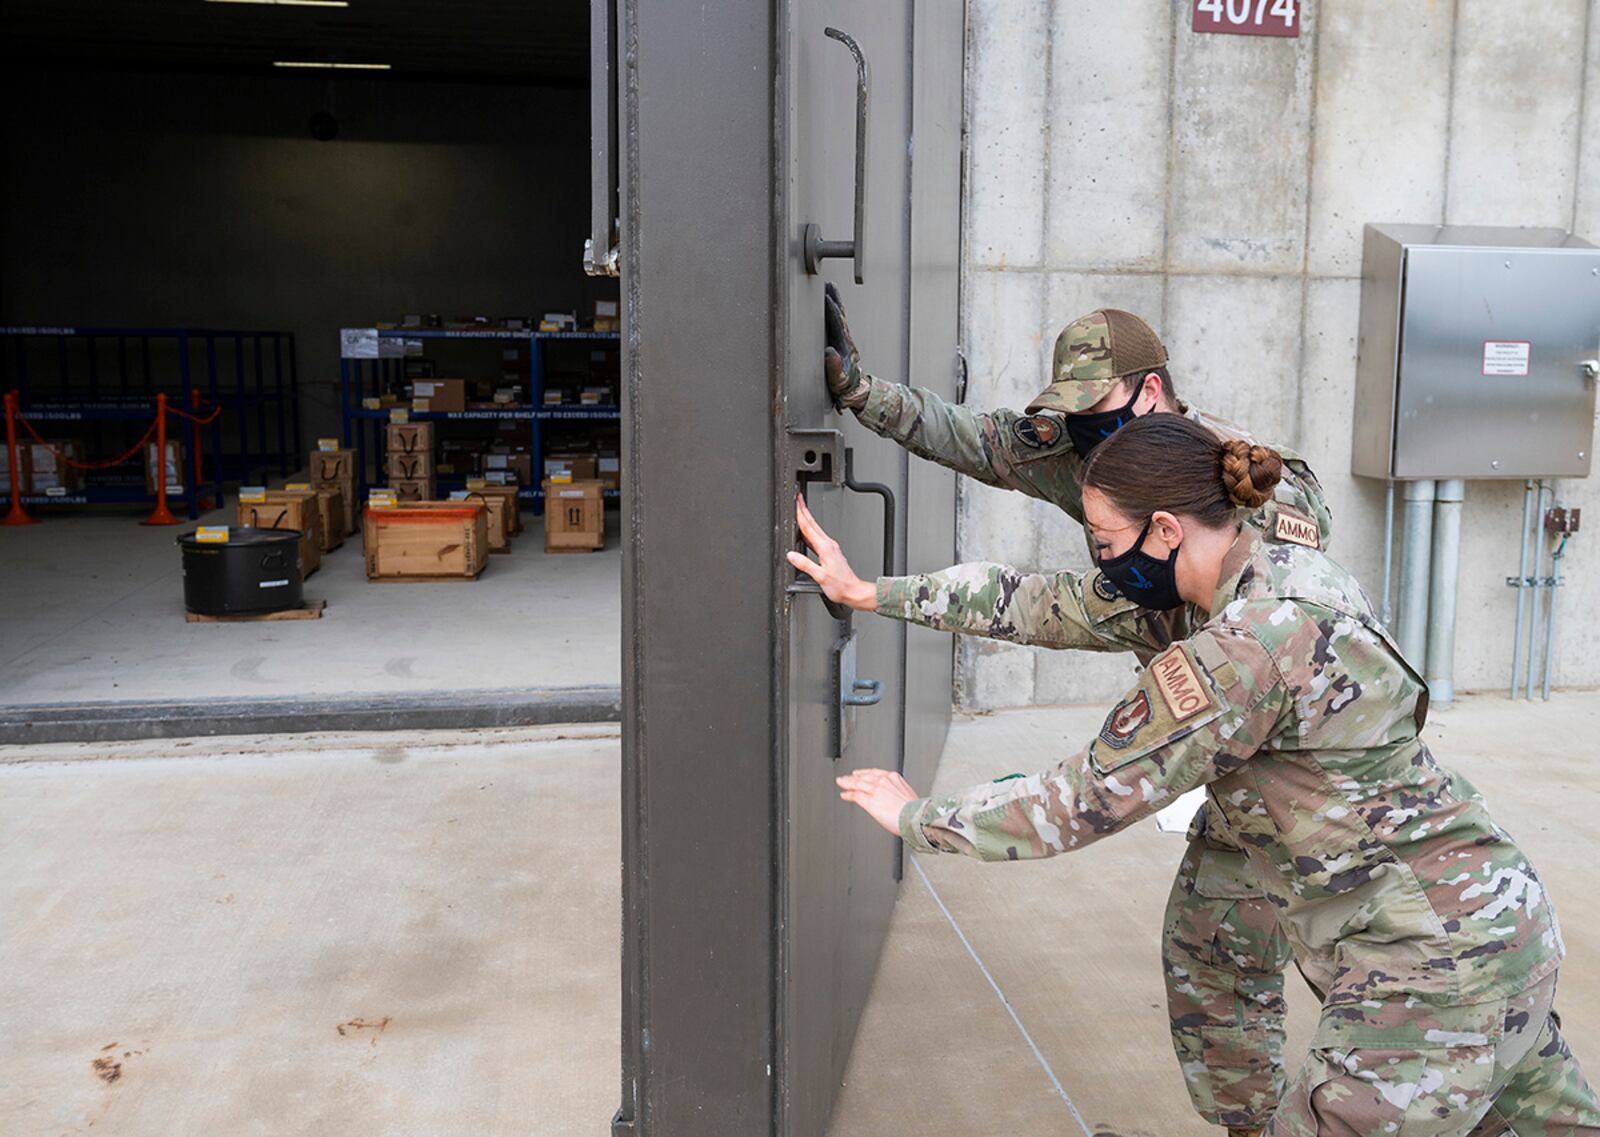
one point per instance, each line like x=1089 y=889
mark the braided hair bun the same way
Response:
x=1250 y=473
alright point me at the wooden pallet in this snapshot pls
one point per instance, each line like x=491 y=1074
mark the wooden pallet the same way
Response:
x=419 y=578
x=310 y=610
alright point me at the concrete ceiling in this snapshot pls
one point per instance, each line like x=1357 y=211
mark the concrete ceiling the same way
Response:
x=530 y=41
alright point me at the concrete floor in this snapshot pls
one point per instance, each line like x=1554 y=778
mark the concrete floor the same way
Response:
x=202 y=917
x=95 y=612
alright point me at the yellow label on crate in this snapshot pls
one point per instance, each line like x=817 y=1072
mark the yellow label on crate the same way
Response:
x=327 y=444
x=400 y=414
x=292 y=486
x=561 y=479
x=212 y=534
x=252 y=495
x=385 y=501
x=372 y=404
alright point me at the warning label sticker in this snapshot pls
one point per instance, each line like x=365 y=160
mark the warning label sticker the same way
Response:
x=1506 y=357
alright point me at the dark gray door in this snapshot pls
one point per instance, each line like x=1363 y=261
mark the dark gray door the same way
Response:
x=755 y=903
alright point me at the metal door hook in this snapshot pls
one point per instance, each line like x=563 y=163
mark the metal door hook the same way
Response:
x=864 y=693
x=815 y=247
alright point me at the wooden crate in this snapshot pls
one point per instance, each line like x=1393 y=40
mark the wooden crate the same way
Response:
x=330 y=515
x=574 y=517
x=513 y=505
x=437 y=541
x=289 y=509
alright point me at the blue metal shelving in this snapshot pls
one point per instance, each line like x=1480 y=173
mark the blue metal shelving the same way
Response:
x=103 y=375
x=358 y=375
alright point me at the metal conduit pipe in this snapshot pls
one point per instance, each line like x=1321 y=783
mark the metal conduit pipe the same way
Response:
x=1443 y=576
x=1416 y=548
x=1386 y=613
x=1550 y=628
x=1538 y=563
x=1522 y=585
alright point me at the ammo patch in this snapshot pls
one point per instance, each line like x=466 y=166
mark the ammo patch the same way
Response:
x=1297 y=530
x=1037 y=431
x=1181 y=687
x=1103 y=588
x=1126 y=720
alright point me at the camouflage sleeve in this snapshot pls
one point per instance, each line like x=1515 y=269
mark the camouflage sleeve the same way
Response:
x=1057 y=610
x=1200 y=711
x=1028 y=453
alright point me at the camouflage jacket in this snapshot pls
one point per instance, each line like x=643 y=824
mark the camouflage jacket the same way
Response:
x=1032 y=453
x=1294 y=707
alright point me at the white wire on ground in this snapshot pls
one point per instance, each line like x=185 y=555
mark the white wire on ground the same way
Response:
x=1004 y=1002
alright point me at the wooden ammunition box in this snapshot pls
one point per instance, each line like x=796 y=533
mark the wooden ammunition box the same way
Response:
x=438 y=541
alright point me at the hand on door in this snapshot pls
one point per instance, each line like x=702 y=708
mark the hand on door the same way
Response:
x=841 y=362
x=882 y=793
x=830 y=570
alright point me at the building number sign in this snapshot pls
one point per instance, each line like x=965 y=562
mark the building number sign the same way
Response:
x=1248 y=17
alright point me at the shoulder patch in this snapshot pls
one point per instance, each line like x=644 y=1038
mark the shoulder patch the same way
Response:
x=1103 y=588
x=1126 y=720
x=1180 y=686
x=1037 y=432
x=1297 y=529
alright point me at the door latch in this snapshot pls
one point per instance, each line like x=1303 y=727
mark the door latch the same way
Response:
x=813 y=245
x=849 y=692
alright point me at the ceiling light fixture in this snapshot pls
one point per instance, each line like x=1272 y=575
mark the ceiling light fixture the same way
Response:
x=289 y=3
x=331 y=66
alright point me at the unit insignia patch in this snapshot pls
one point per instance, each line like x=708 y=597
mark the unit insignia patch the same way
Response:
x=1040 y=432
x=1125 y=721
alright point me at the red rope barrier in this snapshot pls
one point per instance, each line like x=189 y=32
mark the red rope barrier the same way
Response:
x=207 y=421
x=60 y=457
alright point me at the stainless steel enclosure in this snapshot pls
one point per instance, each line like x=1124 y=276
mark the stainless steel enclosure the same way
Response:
x=755 y=903
x=1473 y=353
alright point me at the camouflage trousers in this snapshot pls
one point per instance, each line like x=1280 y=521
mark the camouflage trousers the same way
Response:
x=1223 y=956
x=1494 y=1069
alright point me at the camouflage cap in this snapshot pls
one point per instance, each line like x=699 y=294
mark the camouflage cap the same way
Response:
x=1092 y=353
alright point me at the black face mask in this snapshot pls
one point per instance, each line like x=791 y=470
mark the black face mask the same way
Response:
x=1146 y=581
x=1089 y=430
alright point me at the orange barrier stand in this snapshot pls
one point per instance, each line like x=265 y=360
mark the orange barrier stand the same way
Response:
x=16 y=515
x=161 y=515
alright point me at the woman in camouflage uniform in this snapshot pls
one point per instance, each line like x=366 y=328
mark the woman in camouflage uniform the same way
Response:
x=1419 y=921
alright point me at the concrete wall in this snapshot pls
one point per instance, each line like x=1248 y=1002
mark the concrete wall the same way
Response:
x=1218 y=186
x=199 y=200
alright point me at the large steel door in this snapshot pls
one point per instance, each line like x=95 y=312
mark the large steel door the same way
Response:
x=755 y=903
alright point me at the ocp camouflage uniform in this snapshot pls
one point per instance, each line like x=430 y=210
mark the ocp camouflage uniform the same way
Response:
x=1419 y=921
x=1223 y=953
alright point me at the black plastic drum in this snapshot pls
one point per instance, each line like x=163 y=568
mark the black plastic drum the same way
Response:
x=254 y=571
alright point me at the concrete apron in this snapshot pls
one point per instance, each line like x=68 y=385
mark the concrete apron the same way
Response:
x=427 y=710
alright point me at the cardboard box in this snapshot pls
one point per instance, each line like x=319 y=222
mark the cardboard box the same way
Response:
x=43 y=469
x=574 y=517
x=609 y=469
x=409 y=438
x=409 y=467
x=172 y=467
x=286 y=509
x=24 y=454
x=412 y=489
x=439 y=395
x=440 y=541
x=583 y=467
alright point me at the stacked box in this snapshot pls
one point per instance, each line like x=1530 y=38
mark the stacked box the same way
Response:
x=574 y=517
x=24 y=453
x=330 y=509
x=409 y=438
x=412 y=489
x=287 y=509
x=440 y=541
x=439 y=395
x=516 y=464
x=610 y=469
x=337 y=468
x=49 y=473
x=501 y=514
x=577 y=465
x=409 y=467
x=510 y=496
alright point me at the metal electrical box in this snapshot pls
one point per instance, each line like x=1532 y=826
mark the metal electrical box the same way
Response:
x=1478 y=354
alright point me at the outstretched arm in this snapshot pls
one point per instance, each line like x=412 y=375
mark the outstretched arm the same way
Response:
x=1199 y=711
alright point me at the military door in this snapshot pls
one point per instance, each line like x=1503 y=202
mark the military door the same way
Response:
x=759 y=151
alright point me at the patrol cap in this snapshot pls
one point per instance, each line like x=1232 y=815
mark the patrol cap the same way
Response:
x=1092 y=353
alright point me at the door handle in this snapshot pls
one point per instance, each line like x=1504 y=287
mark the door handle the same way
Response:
x=817 y=249
x=865 y=693
x=886 y=494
